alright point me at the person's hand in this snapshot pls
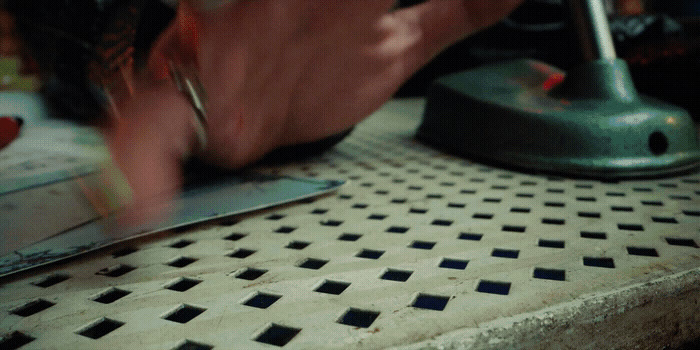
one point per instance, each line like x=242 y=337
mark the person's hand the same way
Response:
x=276 y=72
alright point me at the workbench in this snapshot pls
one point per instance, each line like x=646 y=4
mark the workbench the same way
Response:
x=418 y=250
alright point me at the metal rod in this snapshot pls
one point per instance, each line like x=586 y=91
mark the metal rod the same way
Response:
x=591 y=22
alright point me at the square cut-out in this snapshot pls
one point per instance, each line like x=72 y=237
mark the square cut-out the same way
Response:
x=381 y=192
x=433 y=196
x=630 y=227
x=456 y=264
x=470 y=236
x=349 y=237
x=319 y=211
x=396 y=275
x=360 y=206
x=370 y=254
x=418 y=210
x=332 y=287
x=277 y=335
x=298 y=245
x=124 y=252
x=664 y=220
x=493 y=287
x=653 y=203
x=621 y=208
x=547 y=243
x=99 y=328
x=285 y=229
x=589 y=214
x=456 y=205
x=275 y=217
x=116 y=270
x=184 y=313
x=32 y=307
x=593 y=235
x=691 y=212
x=551 y=221
x=333 y=223
x=642 y=251
x=183 y=284
x=399 y=200
x=313 y=264
x=467 y=191
x=358 y=318
x=110 y=295
x=513 y=228
x=181 y=243
x=236 y=236
x=15 y=340
x=525 y=195
x=250 y=274
x=180 y=261
x=262 y=300
x=241 y=253
x=505 y=253
x=555 y=204
x=51 y=280
x=492 y=200
x=599 y=262
x=397 y=229
x=549 y=274
x=430 y=302
x=192 y=345
x=439 y=222
x=586 y=199
x=422 y=245
x=685 y=242
x=377 y=217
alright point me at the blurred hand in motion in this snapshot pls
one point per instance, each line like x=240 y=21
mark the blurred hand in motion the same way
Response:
x=276 y=72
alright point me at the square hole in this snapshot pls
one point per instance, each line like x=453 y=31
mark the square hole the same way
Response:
x=235 y=236
x=397 y=229
x=456 y=264
x=513 y=228
x=439 y=222
x=333 y=223
x=586 y=199
x=433 y=196
x=358 y=318
x=589 y=214
x=15 y=340
x=630 y=227
x=262 y=300
x=250 y=274
x=555 y=190
x=430 y=302
x=396 y=275
x=399 y=200
x=555 y=204
x=51 y=280
x=360 y=206
x=319 y=211
x=493 y=287
x=525 y=195
x=664 y=220
x=181 y=243
x=550 y=221
x=124 y=252
x=550 y=243
x=456 y=205
x=298 y=245
x=691 y=212
x=32 y=307
x=191 y=345
x=642 y=189
x=183 y=284
x=285 y=229
x=615 y=194
x=549 y=274
x=492 y=200
x=466 y=191
x=642 y=251
x=370 y=254
x=110 y=295
x=100 y=328
x=277 y=335
x=275 y=217
x=593 y=235
x=621 y=208
x=241 y=253
x=345 y=196
x=349 y=237
x=184 y=313
x=381 y=192
x=653 y=203
x=313 y=264
x=418 y=210
x=686 y=242
x=483 y=216
x=180 y=261
x=377 y=217
x=332 y=287
x=422 y=245
x=415 y=188
x=470 y=236
x=116 y=270
x=599 y=262
x=505 y=253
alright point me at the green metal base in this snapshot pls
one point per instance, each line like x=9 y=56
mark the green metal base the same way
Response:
x=588 y=123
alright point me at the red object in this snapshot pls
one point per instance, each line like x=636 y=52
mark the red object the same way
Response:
x=9 y=129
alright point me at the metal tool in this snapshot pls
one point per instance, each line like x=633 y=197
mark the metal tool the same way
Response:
x=587 y=122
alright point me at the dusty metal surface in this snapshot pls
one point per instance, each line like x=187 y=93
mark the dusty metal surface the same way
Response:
x=418 y=250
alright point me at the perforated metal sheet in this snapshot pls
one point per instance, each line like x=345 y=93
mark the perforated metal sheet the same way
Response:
x=417 y=244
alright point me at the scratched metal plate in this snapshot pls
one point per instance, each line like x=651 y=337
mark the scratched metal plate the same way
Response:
x=416 y=246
